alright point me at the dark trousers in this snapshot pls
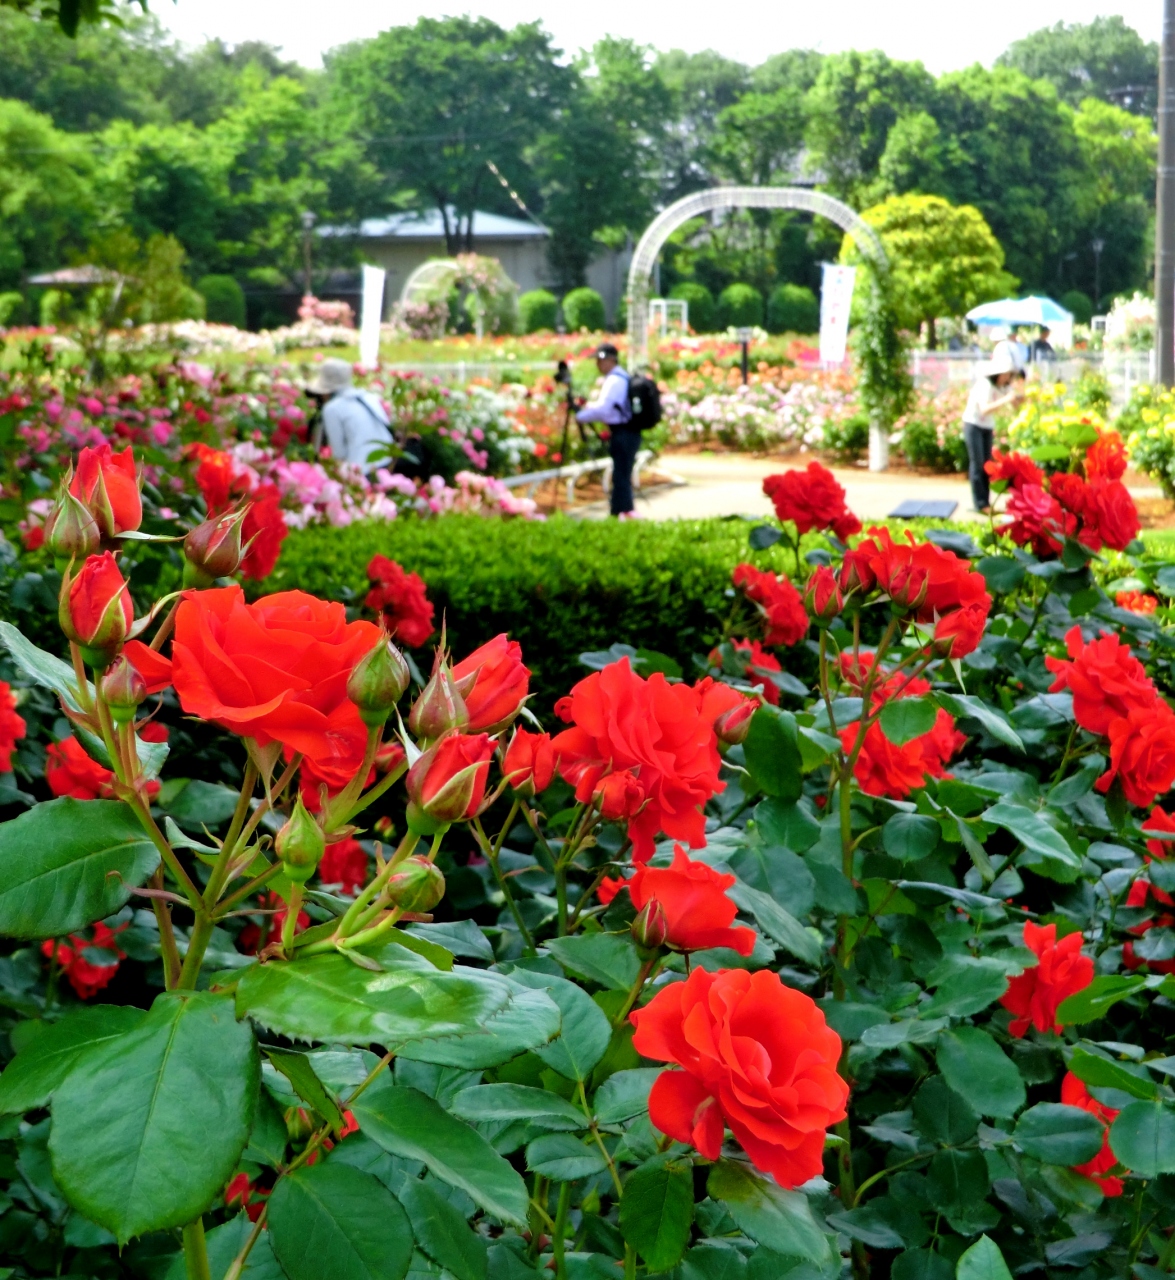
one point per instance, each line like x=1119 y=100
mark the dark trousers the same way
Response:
x=978 y=441
x=623 y=446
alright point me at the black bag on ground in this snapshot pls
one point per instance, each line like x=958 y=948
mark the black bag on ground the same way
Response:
x=644 y=402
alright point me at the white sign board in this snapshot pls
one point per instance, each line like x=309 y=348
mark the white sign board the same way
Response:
x=836 y=299
x=371 y=315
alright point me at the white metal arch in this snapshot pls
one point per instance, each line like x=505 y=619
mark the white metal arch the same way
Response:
x=426 y=278
x=668 y=220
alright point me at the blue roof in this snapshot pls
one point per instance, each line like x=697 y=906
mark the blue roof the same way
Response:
x=427 y=225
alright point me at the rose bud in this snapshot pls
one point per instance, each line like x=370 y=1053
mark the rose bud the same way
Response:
x=733 y=726
x=108 y=483
x=439 y=709
x=390 y=756
x=619 y=795
x=71 y=532
x=123 y=690
x=493 y=683
x=856 y=573
x=651 y=926
x=822 y=597
x=214 y=549
x=384 y=827
x=447 y=784
x=96 y=613
x=416 y=885
x=378 y=682
x=300 y=844
x=908 y=588
x=529 y=764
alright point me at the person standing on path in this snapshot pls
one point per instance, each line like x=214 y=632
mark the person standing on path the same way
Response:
x=983 y=404
x=357 y=428
x=614 y=410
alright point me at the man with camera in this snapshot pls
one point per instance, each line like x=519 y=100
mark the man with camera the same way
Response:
x=613 y=409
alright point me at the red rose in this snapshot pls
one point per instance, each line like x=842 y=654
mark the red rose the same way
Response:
x=1107 y=682
x=1070 y=491
x=655 y=730
x=959 y=632
x=1110 y=514
x=344 y=864
x=1159 y=820
x=728 y=710
x=1106 y=458
x=275 y=670
x=1037 y=519
x=216 y=476
x=153 y=731
x=263 y=532
x=856 y=573
x=811 y=499
x=1136 y=602
x=759 y=663
x=1142 y=754
x=698 y=913
x=619 y=795
x=98 y=613
x=822 y=596
x=85 y=976
x=493 y=684
x=1062 y=971
x=756 y=1056
x=242 y=1191
x=1075 y=1094
x=448 y=782
x=529 y=764
x=108 y=483
x=70 y=772
x=1142 y=895
x=1015 y=469
x=779 y=603
x=918 y=575
x=150 y=664
x=407 y=611
x=12 y=727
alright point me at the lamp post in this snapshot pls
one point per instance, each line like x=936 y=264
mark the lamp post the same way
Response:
x=1165 y=206
x=1097 y=245
x=308 y=220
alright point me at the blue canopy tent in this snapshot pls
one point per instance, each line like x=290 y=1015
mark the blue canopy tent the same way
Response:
x=1031 y=310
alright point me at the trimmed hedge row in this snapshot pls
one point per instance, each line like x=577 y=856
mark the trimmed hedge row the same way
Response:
x=560 y=587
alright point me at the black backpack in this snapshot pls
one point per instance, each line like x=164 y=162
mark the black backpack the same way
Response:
x=644 y=402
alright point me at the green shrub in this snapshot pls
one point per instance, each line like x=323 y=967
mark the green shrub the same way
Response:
x=740 y=305
x=11 y=304
x=792 y=308
x=538 y=310
x=560 y=588
x=1080 y=304
x=701 y=304
x=583 y=309
x=224 y=300
x=848 y=438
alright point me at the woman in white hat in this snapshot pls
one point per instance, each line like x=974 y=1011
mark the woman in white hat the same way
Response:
x=983 y=404
x=357 y=428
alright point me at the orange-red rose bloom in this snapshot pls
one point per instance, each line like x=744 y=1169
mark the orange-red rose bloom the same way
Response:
x=1075 y=1094
x=407 y=611
x=779 y=602
x=12 y=727
x=529 y=764
x=275 y=670
x=263 y=532
x=70 y=772
x=1136 y=601
x=698 y=913
x=1015 y=469
x=1106 y=458
x=1038 y=520
x=811 y=499
x=757 y=1057
x=344 y=863
x=1062 y=971
x=493 y=683
x=1107 y=682
x=1110 y=516
x=1142 y=754
x=99 y=611
x=656 y=731
x=108 y=483
x=150 y=664
x=822 y=595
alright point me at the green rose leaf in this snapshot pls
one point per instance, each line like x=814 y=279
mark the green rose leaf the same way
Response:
x=585 y=1031
x=124 y=1146
x=778 y=922
x=624 y=1095
x=223 y=1244
x=787 y=823
x=531 y=1019
x=905 y=719
x=910 y=837
x=983 y=1261
x=1101 y=1073
x=1054 y=1133
x=772 y=753
x=1037 y=837
x=977 y=1069
x=66 y=863
x=409 y=1124
x=968 y=706
x=563 y=1158
x=966 y=991
x=488 y=1102
x=334 y=1222
x=607 y=958
x=657 y=1211
x=442 y=1232
x=1143 y=1138
x=297 y=1070
x=1100 y=996
x=779 y=1220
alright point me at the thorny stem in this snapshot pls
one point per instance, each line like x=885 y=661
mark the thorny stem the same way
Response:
x=385 y=1061
x=238 y=1263
x=290 y=923
x=196 y=1251
x=364 y=899
x=491 y=852
x=558 y=1234
x=168 y=950
x=648 y=969
x=79 y=670
x=165 y=628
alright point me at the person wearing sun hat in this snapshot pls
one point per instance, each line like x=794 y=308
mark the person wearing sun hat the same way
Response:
x=357 y=427
x=983 y=403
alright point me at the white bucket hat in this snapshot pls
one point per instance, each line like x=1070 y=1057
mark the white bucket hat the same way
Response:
x=1002 y=361
x=333 y=375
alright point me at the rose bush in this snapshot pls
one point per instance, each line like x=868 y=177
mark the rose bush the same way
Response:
x=848 y=952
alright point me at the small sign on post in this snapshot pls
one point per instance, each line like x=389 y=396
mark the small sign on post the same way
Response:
x=371 y=315
x=745 y=336
x=836 y=300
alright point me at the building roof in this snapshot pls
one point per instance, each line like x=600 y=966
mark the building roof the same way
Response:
x=427 y=225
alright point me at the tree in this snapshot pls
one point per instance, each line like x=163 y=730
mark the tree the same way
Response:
x=758 y=139
x=435 y=101
x=69 y=14
x=1102 y=59
x=943 y=259
x=701 y=86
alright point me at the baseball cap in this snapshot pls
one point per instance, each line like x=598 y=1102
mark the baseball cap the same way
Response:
x=606 y=351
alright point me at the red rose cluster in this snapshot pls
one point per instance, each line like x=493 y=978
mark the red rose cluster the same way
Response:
x=12 y=727
x=778 y=601
x=400 y=597
x=934 y=585
x=1061 y=971
x=1114 y=698
x=87 y=977
x=812 y=499
x=758 y=661
x=223 y=485
x=756 y=1057
x=883 y=768
x=1144 y=894
x=1136 y=602
x=1075 y=1094
x=1097 y=509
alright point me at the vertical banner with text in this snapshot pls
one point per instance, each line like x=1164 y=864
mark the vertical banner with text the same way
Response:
x=836 y=300
x=372 y=314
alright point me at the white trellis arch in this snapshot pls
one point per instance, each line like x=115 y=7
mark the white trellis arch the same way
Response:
x=666 y=223
x=424 y=282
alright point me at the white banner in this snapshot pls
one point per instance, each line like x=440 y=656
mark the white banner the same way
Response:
x=836 y=299
x=371 y=315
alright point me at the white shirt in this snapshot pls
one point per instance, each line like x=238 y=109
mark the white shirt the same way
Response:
x=976 y=412
x=356 y=426
x=612 y=406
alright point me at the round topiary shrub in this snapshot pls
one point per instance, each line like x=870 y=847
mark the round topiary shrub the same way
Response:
x=701 y=304
x=1080 y=304
x=537 y=310
x=224 y=300
x=792 y=308
x=583 y=309
x=740 y=305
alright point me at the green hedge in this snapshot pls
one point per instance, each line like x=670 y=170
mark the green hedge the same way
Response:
x=560 y=587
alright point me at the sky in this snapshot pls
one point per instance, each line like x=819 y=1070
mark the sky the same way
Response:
x=942 y=34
